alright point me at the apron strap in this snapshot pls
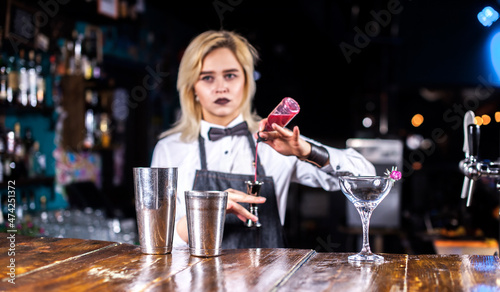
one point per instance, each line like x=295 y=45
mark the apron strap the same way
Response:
x=203 y=155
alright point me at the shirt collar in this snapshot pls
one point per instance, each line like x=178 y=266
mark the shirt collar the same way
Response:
x=205 y=126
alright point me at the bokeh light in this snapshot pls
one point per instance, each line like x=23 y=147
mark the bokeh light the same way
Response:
x=417 y=120
x=486 y=119
x=367 y=122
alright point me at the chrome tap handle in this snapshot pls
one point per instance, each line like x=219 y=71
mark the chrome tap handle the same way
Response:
x=473 y=140
x=465 y=187
x=468 y=188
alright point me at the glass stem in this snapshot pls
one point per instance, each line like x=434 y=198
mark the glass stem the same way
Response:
x=365 y=220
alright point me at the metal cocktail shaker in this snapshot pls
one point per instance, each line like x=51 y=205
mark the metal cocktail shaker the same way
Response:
x=206 y=215
x=155 y=200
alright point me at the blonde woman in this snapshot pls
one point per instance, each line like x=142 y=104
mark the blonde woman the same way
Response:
x=216 y=87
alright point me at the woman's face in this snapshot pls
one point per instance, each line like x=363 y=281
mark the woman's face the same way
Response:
x=220 y=87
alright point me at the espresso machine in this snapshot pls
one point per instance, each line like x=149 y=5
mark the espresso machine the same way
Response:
x=471 y=166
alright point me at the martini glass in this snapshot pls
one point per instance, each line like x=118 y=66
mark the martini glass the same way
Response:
x=365 y=192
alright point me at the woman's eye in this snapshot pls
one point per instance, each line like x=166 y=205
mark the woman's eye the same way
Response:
x=230 y=76
x=207 y=78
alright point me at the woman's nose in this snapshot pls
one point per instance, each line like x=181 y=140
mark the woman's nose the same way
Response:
x=221 y=87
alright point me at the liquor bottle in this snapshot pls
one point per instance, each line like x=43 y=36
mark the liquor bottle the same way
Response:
x=78 y=54
x=8 y=161
x=93 y=69
x=28 y=140
x=32 y=202
x=32 y=78
x=56 y=81
x=69 y=54
x=19 y=169
x=2 y=152
x=12 y=80
x=89 y=140
x=19 y=148
x=23 y=79
x=36 y=165
x=2 y=210
x=86 y=57
x=3 y=80
x=40 y=81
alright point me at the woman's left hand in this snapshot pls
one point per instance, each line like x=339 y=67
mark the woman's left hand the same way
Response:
x=285 y=141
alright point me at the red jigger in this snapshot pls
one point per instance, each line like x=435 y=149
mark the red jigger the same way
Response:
x=253 y=188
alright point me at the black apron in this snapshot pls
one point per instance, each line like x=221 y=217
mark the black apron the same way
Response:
x=236 y=234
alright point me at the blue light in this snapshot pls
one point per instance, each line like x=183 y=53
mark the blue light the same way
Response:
x=487 y=16
x=495 y=52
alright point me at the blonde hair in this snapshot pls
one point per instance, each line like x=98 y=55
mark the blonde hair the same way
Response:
x=189 y=71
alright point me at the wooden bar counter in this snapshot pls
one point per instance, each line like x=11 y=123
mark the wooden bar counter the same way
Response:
x=58 y=264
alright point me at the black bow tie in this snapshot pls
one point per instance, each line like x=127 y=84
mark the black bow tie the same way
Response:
x=240 y=129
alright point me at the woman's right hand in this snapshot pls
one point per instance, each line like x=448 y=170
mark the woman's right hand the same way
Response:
x=235 y=197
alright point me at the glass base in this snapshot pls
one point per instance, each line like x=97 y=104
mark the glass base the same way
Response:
x=365 y=258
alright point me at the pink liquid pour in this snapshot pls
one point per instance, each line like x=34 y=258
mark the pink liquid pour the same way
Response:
x=255 y=162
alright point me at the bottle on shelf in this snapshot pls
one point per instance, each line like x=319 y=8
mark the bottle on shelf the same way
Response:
x=1 y=210
x=5 y=211
x=91 y=102
x=78 y=54
x=32 y=202
x=19 y=153
x=40 y=80
x=24 y=203
x=3 y=80
x=91 y=69
x=43 y=204
x=28 y=140
x=23 y=79
x=56 y=80
x=86 y=57
x=8 y=161
x=12 y=80
x=69 y=54
x=32 y=79
x=3 y=151
x=105 y=130
x=36 y=165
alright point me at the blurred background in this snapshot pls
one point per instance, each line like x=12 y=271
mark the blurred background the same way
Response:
x=87 y=86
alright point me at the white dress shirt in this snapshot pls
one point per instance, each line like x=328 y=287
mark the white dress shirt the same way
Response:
x=232 y=154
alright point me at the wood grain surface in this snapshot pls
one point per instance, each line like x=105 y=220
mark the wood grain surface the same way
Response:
x=56 y=264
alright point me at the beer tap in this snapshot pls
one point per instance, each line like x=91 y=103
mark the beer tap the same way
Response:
x=471 y=166
x=468 y=165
